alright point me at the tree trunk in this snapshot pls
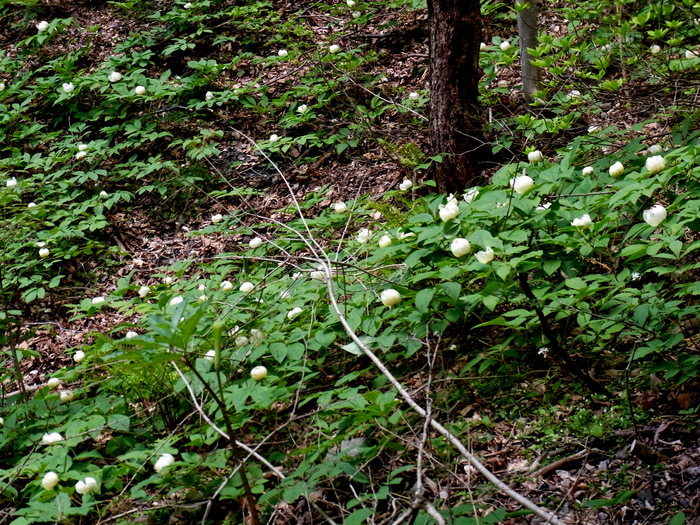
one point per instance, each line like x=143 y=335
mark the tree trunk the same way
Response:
x=455 y=124
x=527 y=31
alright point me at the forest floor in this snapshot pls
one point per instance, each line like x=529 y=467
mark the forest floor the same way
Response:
x=639 y=475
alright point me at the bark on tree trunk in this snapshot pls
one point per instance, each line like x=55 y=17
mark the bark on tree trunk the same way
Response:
x=455 y=123
x=527 y=31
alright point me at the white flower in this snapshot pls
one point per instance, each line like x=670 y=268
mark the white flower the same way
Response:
x=505 y=45
x=690 y=54
x=176 y=300
x=168 y=280
x=364 y=235
x=543 y=351
x=471 y=194
x=82 y=147
x=131 y=335
x=460 y=247
x=68 y=87
x=274 y=137
x=66 y=396
x=351 y=3
x=115 y=76
x=247 y=287
x=48 y=439
x=406 y=185
x=140 y=90
x=282 y=52
x=98 y=300
x=40 y=244
x=384 y=241
x=2 y=422
x=522 y=183
x=258 y=373
x=655 y=164
x=80 y=155
x=450 y=210
x=216 y=218
x=405 y=235
x=390 y=297
x=544 y=206
x=482 y=46
x=302 y=108
x=210 y=355
x=636 y=276
x=11 y=183
x=293 y=313
x=79 y=356
x=574 y=93
x=202 y=298
x=44 y=253
x=87 y=486
x=654 y=215
x=103 y=193
x=535 y=156
x=413 y=95
x=319 y=275
x=356 y=14
x=226 y=286
x=31 y=205
x=188 y=5
x=255 y=242
x=655 y=50
x=334 y=49
x=655 y=148
x=209 y=95
x=49 y=481
x=240 y=341
x=616 y=170
x=588 y=170
x=485 y=256
x=2 y=86
x=584 y=222
x=165 y=460
x=144 y=291
x=340 y=207
x=593 y=129
x=53 y=382
x=42 y=26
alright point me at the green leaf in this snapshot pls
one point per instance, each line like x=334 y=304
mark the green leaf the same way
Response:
x=359 y=517
x=678 y=519
x=423 y=299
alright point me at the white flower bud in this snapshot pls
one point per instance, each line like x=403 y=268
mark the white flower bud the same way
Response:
x=655 y=164
x=655 y=49
x=584 y=222
x=226 y=286
x=351 y=3
x=131 y=335
x=144 y=291
x=53 y=382
x=140 y=90
x=258 y=373
x=384 y=241
x=176 y=300
x=449 y=211
x=168 y=280
x=282 y=52
x=210 y=355
x=188 y=5
x=274 y=137
x=340 y=207
x=471 y=194
x=654 y=215
x=505 y=45
x=98 y=300
x=390 y=297
x=79 y=356
x=655 y=148
x=406 y=185
x=335 y=48
x=216 y=218
x=209 y=95
x=616 y=170
x=49 y=481
x=482 y=46
x=302 y=108
x=48 y=439
x=11 y=183
x=255 y=242
x=485 y=256
x=241 y=340
x=44 y=253
x=68 y=87
x=535 y=156
x=588 y=170
x=115 y=76
x=247 y=287
x=294 y=312
x=165 y=460
x=66 y=395
x=460 y=247
x=42 y=26
x=364 y=235
x=413 y=95
x=522 y=184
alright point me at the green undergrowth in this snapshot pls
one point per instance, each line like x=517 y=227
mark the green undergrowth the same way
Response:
x=565 y=283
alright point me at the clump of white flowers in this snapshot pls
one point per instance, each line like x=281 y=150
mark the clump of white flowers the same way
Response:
x=450 y=210
x=86 y=486
x=390 y=297
x=655 y=215
x=485 y=256
x=49 y=481
x=583 y=222
x=165 y=460
x=406 y=185
x=535 y=156
x=616 y=170
x=258 y=373
x=460 y=247
x=521 y=184
x=655 y=164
